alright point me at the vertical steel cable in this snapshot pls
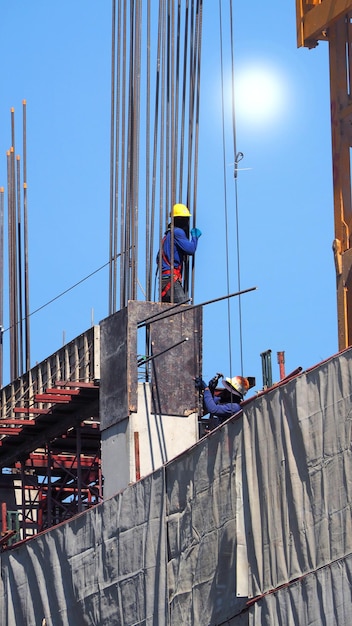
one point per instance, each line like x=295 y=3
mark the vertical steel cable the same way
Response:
x=14 y=262
x=189 y=143
x=225 y=187
x=112 y=259
x=169 y=54
x=190 y=103
x=168 y=96
x=174 y=111
x=9 y=261
x=14 y=270
x=123 y=163
x=191 y=130
x=19 y=264
x=168 y=142
x=163 y=70
x=179 y=153
x=197 y=105
x=11 y=256
x=117 y=153
x=225 y=190
x=138 y=97
x=25 y=238
x=236 y=188
x=183 y=104
x=135 y=103
x=148 y=230
x=148 y=242
x=156 y=134
x=129 y=164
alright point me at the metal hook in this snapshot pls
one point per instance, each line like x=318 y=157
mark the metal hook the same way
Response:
x=239 y=156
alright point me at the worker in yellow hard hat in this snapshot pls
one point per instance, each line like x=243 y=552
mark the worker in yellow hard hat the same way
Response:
x=223 y=403
x=183 y=246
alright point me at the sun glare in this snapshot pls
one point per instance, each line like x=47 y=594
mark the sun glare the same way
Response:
x=260 y=94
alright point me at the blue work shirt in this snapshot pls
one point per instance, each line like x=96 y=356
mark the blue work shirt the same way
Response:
x=214 y=406
x=183 y=247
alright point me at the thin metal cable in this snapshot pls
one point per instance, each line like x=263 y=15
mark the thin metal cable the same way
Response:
x=169 y=91
x=183 y=105
x=237 y=156
x=19 y=261
x=136 y=143
x=155 y=147
x=129 y=163
x=112 y=120
x=163 y=87
x=148 y=240
x=188 y=45
x=225 y=189
x=117 y=157
x=43 y=306
x=123 y=243
x=174 y=114
x=195 y=173
x=164 y=166
x=25 y=237
x=190 y=131
x=191 y=103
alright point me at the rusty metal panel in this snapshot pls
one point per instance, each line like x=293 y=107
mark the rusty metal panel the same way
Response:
x=171 y=338
x=113 y=361
x=173 y=351
x=173 y=371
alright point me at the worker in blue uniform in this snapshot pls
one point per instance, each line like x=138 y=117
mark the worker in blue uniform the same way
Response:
x=183 y=247
x=225 y=403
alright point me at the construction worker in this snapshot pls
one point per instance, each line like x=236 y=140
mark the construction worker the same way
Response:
x=183 y=246
x=222 y=404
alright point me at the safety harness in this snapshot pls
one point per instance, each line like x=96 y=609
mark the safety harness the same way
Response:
x=177 y=270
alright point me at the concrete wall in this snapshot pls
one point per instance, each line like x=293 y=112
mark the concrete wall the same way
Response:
x=143 y=442
x=145 y=423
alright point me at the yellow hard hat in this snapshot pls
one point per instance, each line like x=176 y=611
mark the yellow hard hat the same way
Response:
x=237 y=384
x=180 y=210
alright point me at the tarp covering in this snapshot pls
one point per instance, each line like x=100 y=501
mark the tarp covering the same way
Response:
x=298 y=473
x=321 y=597
x=205 y=530
x=252 y=525
x=265 y=499
x=107 y=566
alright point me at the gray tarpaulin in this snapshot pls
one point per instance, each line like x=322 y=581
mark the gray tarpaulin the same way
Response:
x=252 y=525
x=205 y=518
x=298 y=472
x=105 y=567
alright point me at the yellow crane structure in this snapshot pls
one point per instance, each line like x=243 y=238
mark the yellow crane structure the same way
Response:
x=330 y=20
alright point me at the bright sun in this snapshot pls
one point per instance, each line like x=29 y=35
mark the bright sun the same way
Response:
x=260 y=94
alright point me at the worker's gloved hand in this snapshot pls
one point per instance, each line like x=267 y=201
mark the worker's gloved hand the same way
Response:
x=199 y=383
x=212 y=384
x=195 y=232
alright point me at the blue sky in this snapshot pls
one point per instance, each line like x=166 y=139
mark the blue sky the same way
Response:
x=56 y=56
